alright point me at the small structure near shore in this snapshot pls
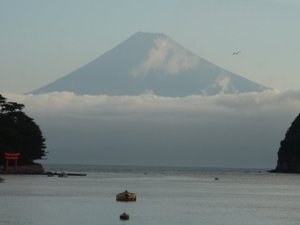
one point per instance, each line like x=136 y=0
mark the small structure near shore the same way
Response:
x=14 y=157
x=126 y=197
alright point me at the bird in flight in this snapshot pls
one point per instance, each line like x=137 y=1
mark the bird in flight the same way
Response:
x=236 y=53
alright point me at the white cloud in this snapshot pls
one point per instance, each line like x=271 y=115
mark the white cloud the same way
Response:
x=223 y=81
x=67 y=103
x=222 y=85
x=167 y=57
x=242 y=130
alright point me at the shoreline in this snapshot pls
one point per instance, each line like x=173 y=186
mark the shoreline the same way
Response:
x=33 y=168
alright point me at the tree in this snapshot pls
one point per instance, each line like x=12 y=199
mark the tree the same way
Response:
x=19 y=133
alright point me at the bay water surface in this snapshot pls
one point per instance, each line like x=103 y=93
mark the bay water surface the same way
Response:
x=165 y=196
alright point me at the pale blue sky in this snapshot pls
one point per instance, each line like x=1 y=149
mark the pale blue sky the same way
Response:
x=42 y=40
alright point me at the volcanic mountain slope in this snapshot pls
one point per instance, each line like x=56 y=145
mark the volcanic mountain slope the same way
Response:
x=151 y=62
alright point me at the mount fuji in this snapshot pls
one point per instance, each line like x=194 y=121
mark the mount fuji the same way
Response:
x=151 y=62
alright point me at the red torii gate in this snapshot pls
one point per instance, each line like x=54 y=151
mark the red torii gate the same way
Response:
x=11 y=156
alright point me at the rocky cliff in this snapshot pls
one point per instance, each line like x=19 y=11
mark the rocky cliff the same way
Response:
x=289 y=151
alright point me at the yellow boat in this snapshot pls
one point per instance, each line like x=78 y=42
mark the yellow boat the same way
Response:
x=126 y=197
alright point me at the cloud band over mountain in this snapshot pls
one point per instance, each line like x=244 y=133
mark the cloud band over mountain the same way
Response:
x=226 y=130
x=249 y=103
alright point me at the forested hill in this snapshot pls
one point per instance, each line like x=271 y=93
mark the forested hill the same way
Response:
x=19 y=133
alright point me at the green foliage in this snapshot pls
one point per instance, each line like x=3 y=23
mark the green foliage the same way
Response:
x=19 y=133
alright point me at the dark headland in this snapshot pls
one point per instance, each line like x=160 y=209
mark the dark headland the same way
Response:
x=289 y=151
x=21 y=140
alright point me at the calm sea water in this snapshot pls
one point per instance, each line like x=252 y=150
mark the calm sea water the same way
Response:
x=165 y=196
